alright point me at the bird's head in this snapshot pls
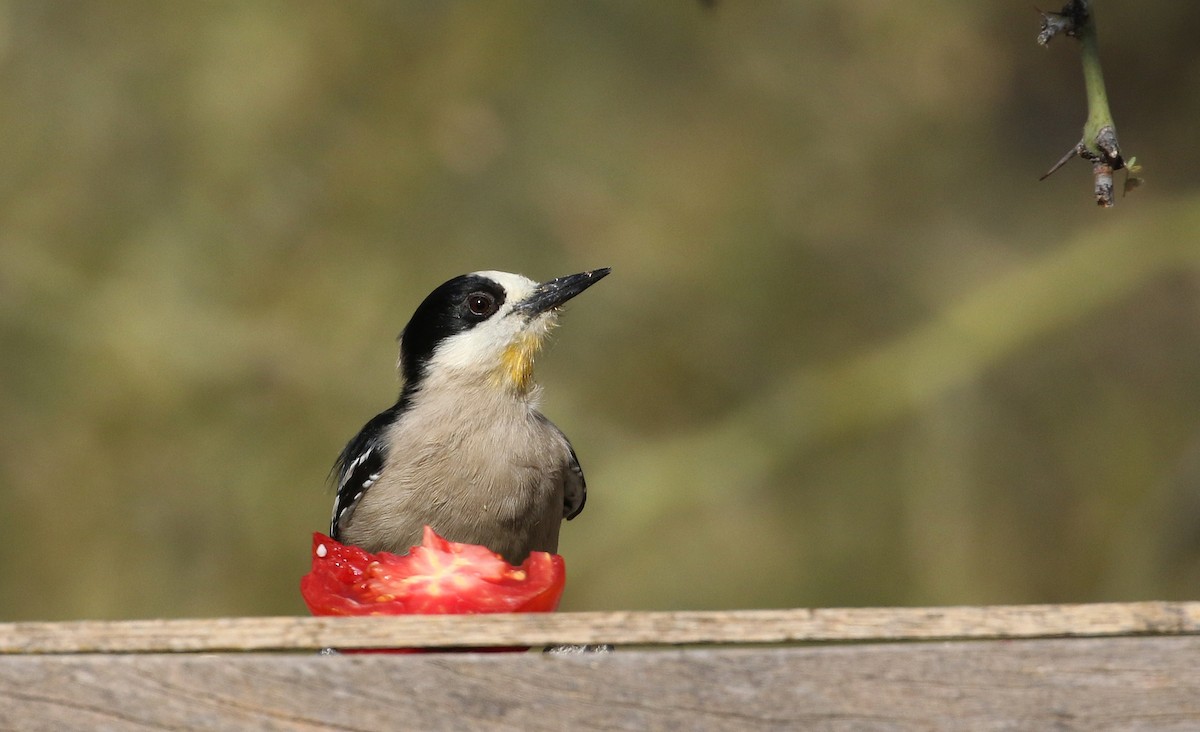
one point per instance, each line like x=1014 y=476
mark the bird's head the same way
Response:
x=485 y=325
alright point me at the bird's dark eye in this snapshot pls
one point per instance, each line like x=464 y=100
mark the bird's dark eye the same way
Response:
x=481 y=304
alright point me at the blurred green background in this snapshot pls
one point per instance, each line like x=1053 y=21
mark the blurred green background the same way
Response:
x=852 y=352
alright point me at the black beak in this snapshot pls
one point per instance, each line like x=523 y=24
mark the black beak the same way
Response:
x=557 y=291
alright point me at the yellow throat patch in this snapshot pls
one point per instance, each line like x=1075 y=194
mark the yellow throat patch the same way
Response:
x=516 y=364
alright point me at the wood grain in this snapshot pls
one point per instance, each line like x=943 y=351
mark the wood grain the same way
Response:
x=619 y=628
x=1076 y=684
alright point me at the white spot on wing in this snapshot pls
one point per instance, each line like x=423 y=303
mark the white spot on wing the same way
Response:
x=354 y=464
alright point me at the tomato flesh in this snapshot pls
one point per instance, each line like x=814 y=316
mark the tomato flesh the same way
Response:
x=437 y=577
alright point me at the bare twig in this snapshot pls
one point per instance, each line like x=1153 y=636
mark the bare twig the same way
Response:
x=1074 y=152
x=1099 y=144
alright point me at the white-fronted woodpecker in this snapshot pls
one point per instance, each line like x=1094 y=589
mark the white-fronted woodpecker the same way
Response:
x=465 y=449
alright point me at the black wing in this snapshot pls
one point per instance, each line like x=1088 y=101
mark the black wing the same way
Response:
x=359 y=466
x=575 y=491
x=575 y=487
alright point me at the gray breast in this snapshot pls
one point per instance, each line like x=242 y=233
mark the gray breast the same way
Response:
x=493 y=476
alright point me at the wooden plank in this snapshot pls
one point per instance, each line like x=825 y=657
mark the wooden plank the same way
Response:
x=1077 y=684
x=619 y=628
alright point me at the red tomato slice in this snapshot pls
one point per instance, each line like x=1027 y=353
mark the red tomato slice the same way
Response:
x=437 y=577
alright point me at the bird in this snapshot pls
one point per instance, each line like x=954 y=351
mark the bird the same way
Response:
x=465 y=449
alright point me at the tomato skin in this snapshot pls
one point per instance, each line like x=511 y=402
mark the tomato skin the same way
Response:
x=437 y=577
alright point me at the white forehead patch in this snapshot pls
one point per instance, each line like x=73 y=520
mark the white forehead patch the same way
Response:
x=516 y=287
